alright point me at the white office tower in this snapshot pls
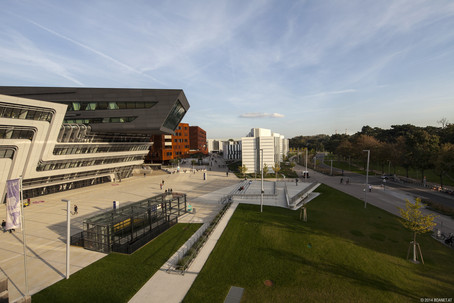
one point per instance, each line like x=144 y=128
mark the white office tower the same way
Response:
x=273 y=145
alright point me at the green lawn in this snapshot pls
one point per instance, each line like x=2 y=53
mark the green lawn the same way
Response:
x=117 y=277
x=344 y=253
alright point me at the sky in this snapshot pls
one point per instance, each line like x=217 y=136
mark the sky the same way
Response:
x=295 y=67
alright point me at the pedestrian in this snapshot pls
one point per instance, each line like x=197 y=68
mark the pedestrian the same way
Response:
x=144 y=175
x=76 y=210
x=160 y=185
x=348 y=181
x=342 y=180
x=162 y=182
x=370 y=188
x=3 y=225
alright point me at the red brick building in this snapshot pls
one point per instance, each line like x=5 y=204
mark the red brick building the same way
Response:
x=168 y=147
x=198 y=140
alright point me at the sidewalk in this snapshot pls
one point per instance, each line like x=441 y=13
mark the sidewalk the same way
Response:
x=172 y=287
x=389 y=199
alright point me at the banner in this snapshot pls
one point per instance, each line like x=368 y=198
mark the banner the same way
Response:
x=13 y=206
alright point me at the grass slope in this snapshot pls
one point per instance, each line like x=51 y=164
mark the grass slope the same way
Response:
x=117 y=277
x=344 y=253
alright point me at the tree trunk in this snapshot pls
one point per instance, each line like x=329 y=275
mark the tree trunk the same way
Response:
x=414 y=248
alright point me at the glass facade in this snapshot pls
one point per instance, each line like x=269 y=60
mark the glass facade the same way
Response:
x=175 y=116
x=93 y=105
x=88 y=149
x=101 y=120
x=45 y=166
x=24 y=113
x=16 y=132
x=6 y=152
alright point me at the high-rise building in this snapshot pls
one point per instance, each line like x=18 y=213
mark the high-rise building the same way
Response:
x=60 y=138
x=273 y=145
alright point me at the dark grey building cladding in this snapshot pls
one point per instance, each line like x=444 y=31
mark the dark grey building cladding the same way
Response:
x=118 y=110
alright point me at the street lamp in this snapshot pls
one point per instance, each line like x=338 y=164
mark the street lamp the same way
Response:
x=367 y=177
x=68 y=237
x=306 y=167
x=261 y=193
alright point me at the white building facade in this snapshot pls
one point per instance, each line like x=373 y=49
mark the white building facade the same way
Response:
x=273 y=145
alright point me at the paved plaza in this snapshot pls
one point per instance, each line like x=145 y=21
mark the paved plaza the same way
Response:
x=45 y=223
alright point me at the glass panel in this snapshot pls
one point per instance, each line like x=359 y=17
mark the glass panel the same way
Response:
x=113 y=105
x=175 y=116
x=75 y=106
x=102 y=105
x=91 y=106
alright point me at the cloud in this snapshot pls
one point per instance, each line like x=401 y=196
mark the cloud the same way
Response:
x=261 y=115
x=327 y=93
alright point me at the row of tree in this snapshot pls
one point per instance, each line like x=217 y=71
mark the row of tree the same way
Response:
x=405 y=145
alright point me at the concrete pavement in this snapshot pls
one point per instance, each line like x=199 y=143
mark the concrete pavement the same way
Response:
x=45 y=224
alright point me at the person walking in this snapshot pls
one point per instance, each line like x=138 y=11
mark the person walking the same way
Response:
x=76 y=210
x=3 y=225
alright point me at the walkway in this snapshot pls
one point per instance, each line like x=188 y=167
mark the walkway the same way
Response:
x=389 y=199
x=172 y=287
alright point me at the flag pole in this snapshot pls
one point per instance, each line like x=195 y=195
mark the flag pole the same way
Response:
x=23 y=236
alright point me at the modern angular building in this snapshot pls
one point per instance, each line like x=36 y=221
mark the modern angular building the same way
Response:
x=60 y=138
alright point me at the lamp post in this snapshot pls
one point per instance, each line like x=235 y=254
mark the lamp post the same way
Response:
x=261 y=193
x=305 y=176
x=68 y=236
x=367 y=177
x=331 y=173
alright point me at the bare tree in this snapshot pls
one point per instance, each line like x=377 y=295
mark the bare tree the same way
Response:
x=444 y=122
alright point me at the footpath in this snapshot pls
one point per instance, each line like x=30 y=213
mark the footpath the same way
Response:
x=389 y=199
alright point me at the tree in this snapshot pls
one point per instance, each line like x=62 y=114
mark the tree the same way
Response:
x=265 y=170
x=424 y=147
x=276 y=168
x=445 y=161
x=443 y=122
x=414 y=220
x=243 y=170
x=345 y=148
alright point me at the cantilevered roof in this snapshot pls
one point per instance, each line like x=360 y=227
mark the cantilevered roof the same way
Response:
x=118 y=110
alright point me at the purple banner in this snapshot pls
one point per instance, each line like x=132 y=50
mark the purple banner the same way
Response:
x=13 y=206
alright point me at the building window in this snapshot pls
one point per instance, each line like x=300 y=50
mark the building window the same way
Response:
x=175 y=116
